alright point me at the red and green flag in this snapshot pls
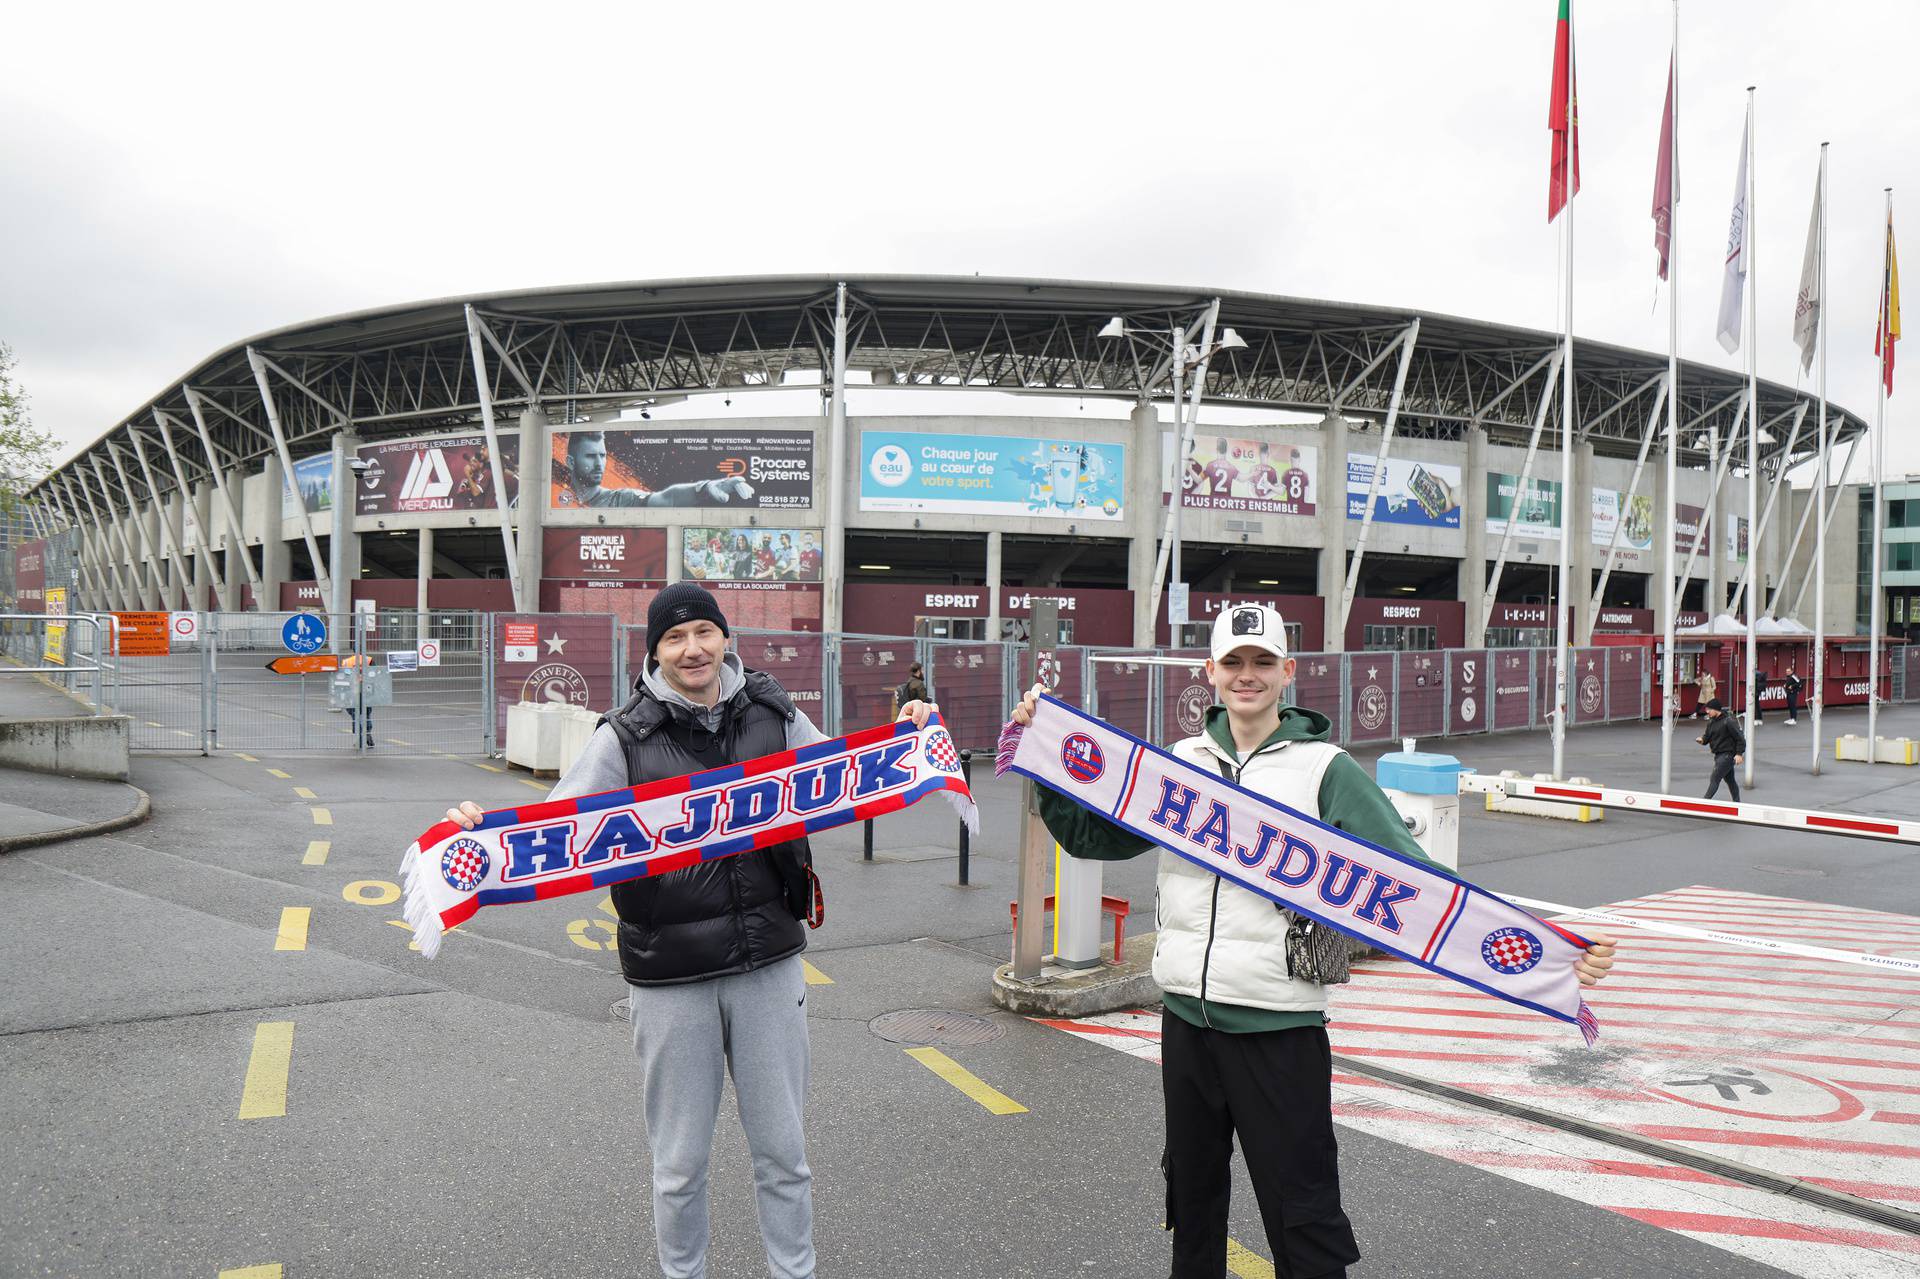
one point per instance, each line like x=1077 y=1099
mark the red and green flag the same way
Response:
x=1563 y=178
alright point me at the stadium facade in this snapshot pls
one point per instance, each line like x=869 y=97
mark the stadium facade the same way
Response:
x=514 y=452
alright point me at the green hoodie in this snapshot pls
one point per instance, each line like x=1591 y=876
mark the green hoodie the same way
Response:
x=1349 y=800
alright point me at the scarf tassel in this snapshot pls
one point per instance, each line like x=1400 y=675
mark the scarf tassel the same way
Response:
x=417 y=907
x=1003 y=752
x=1588 y=1023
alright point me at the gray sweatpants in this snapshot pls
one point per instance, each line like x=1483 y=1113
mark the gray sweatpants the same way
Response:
x=754 y=1025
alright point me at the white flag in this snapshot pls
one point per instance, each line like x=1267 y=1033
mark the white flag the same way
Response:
x=1806 y=305
x=1734 y=286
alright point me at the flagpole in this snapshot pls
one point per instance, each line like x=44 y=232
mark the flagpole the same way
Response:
x=1673 y=411
x=1879 y=477
x=1561 y=596
x=1753 y=453
x=1820 y=491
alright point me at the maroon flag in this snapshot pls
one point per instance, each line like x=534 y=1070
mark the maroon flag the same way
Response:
x=1563 y=176
x=1663 y=193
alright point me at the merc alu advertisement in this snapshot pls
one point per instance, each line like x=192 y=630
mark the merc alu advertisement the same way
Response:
x=441 y=473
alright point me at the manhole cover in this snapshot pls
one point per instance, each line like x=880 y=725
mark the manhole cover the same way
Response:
x=932 y=1026
x=620 y=1010
x=1801 y=872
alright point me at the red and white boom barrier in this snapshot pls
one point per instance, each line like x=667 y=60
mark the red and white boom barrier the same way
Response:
x=1889 y=830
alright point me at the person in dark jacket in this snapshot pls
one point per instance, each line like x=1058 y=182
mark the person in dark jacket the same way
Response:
x=1793 y=684
x=1728 y=744
x=914 y=689
x=711 y=953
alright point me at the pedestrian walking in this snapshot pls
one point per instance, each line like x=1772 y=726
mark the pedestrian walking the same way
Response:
x=1708 y=688
x=1729 y=745
x=913 y=689
x=1793 y=684
x=359 y=717
x=1760 y=681
x=711 y=953
x=1243 y=1026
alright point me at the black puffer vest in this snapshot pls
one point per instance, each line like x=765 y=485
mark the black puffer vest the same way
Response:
x=727 y=916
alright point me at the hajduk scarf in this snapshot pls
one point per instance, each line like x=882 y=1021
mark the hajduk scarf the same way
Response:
x=1407 y=908
x=566 y=846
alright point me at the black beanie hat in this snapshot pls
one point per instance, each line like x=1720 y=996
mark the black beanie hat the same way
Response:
x=679 y=603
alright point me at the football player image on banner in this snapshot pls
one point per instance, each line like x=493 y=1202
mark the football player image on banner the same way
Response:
x=1220 y=473
x=750 y=554
x=681 y=468
x=443 y=473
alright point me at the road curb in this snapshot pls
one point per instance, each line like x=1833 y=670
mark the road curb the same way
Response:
x=142 y=810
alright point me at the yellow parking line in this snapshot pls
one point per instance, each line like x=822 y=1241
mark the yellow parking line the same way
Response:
x=264 y=1095
x=304 y=793
x=539 y=786
x=814 y=976
x=1246 y=1264
x=321 y=817
x=317 y=850
x=394 y=741
x=243 y=755
x=293 y=928
x=271 y=1270
x=285 y=777
x=154 y=723
x=966 y=1081
x=490 y=768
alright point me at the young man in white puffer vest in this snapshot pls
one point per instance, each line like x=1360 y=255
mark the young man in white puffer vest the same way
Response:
x=1244 y=1044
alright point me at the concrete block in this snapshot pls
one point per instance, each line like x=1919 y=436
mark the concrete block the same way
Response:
x=1082 y=992
x=78 y=746
x=533 y=736
x=1891 y=750
x=577 y=727
x=1546 y=808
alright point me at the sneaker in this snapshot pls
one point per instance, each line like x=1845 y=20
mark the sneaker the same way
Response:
x=1793 y=721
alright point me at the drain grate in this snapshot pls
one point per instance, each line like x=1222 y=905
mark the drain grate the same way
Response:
x=930 y=1027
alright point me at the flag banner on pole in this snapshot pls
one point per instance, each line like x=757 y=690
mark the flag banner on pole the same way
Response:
x=1563 y=118
x=1887 y=332
x=1407 y=908
x=1806 y=303
x=1664 y=196
x=567 y=846
x=1733 y=285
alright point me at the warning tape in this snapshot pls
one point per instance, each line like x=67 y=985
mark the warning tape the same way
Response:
x=1894 y=963
x=1885 y=829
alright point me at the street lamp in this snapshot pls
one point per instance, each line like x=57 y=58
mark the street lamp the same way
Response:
x=1181 y=357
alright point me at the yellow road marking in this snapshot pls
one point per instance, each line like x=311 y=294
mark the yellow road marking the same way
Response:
x=371 y=892
x=394 y=741
x=814 y=976
x=264 y=1095
x=285 y=777
x=539 y=786
x=251 y=760
x=304 y=793
x=580 y=933
x=154 y=723
x=271 y=1270
x=293 y=928
x=317 y=850
x=1247 y=1264
x=321 y=817
x=490 y=768
x=414 y=945
x=606 y=904
x=966 y=1081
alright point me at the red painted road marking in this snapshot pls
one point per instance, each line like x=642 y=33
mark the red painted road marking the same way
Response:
x=1758 y=1228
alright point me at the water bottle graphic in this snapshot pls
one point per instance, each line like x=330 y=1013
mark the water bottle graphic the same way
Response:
x=1065 y=468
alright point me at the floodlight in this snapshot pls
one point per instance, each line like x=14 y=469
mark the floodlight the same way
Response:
x=1231 y=341
x=1115 y=328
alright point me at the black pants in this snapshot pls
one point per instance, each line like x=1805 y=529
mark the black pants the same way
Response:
x=1272 y=1089
x=1723 y=771
x=1793 y=704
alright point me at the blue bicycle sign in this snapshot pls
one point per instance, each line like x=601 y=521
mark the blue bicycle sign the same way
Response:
x=304 y=633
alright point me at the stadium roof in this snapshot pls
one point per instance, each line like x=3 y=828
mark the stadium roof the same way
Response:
x=591 y=349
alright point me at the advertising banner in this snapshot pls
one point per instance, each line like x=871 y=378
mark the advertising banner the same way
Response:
x=992 y=475
x=443 y=473
x=1534 y=508
x=1427 y=494
x=750 y=554
x=1607 y=506
x=30 y=576
x=655 y=467
x=1737 y=539
x=1512 y=693
x=1467 y=672
x=604 y=555
x=55 y=650
x=311 y=485
x=1226 y=474
x=1370 y=708
x=1686 y=524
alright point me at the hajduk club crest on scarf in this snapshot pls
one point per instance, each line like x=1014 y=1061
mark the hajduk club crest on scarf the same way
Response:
x=566 y=846
x=1407 y=908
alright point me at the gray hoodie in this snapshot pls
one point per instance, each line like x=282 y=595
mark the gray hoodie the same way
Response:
x=603 y=765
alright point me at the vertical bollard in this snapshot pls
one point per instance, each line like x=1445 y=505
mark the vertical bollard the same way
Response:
x=966 y=840
x=866 y=838
x=1036 y=842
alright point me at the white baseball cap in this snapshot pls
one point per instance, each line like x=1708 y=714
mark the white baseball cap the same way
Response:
x=1249 y=626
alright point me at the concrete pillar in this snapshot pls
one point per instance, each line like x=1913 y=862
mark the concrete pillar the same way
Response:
x=169 y=512
x=1662 y=539
x=425 y=575
x=276 y=557
x=676 y=553
x=1144 y=518
x=993 y=585
x=1719 y=515
x=536 y=466
x=1576 y=522
x=1473 y=522
x=1332 y=577
x=343 y=552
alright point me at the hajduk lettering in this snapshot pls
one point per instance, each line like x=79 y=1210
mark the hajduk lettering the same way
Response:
x=1409 y=908
x=577 y=845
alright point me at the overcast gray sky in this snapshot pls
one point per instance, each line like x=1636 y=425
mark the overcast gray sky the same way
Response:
x=178 y=177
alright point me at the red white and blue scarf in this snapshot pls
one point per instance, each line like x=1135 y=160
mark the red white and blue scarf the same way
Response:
x=566 y=846
x=1407 y=908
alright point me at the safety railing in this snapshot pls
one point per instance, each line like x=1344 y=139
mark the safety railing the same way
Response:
x=44 y=644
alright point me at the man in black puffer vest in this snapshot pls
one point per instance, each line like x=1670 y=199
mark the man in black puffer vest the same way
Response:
x=711 y=953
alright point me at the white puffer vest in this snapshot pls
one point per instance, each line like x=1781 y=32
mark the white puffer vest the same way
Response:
x=1216 y=940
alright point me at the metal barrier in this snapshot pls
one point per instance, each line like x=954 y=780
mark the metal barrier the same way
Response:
x=39 y=644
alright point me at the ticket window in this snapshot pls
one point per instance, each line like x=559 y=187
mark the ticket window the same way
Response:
x=1200 y=635
x=950 y=628
x=1016 y=629
x=1686 y=666
x=1519 y=637
x=1386 y=639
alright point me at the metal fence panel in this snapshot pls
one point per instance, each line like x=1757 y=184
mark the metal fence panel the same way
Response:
x=1370 y=686
x=554 y=657
x=969 y=680
x=1185 y=694
x=870 y=669
x=1123 y=695
x=252 y=708
x=437 y=707
x=798 y=659
x=1469 y=678
x=1421 y=699
x=1319 y=684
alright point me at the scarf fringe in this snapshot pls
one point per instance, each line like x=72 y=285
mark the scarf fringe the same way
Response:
x=1003 y=751
x=416 y=907
x=1588 y=1023
x=969 y=811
